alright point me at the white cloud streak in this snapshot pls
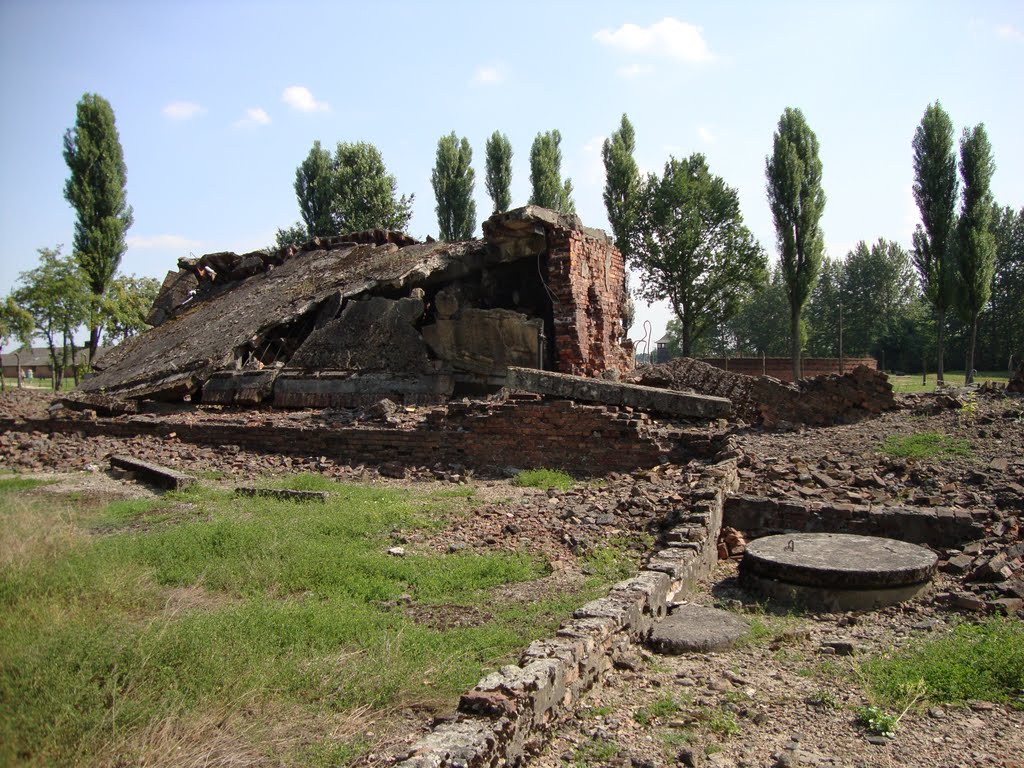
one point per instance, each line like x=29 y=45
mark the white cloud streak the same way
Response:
x=706 y=134
x=1010 y=32
x=183 y=110
x=669 y=37
x=169 y=242
x=254 y=116
x=487 y=76
x=300 y=98
x=636 y=70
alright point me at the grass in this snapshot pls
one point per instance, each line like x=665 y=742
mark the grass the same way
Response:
x=268 y=624
x=913 y=383
x=975 y=662
x=543 y=478
x=595 y=752
x=13 y=484
x=659 y=709
x=925 y=445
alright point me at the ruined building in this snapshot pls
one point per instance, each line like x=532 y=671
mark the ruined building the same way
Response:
x=350 y=320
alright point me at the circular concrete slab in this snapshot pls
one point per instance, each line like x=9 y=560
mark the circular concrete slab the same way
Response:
x=838 y=561
x=696 y=629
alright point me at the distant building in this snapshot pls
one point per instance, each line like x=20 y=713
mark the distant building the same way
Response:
x=661 y=351
x=35 y=362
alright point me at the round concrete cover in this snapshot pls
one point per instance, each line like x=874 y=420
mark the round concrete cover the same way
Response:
x=696 y=629
x=838 y=560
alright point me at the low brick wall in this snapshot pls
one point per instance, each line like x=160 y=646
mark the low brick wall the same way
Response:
x=939 y=527
x=782 y=367
x=506 y=717
x=560 y=434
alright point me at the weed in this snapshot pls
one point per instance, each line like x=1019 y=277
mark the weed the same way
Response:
x=976 y=661
x=969 y=410
x=676 y=738
x=614 y=561
x=877 y=721
x=925 y=445
x=595 y=752
x=543 y=478
x=659 y=709
x=823 y=698
x=599 y=711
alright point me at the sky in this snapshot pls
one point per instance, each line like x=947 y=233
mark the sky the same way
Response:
x=217 y=102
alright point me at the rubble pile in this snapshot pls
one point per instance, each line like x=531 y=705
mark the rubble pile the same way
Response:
x=818 y=401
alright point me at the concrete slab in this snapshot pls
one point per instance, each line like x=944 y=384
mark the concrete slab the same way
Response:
x=662 y=401
x=697 y=629
x=162 y=477
x=839 y=561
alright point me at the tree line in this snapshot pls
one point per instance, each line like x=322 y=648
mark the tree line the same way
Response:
x=958 y=289
x=351 y=189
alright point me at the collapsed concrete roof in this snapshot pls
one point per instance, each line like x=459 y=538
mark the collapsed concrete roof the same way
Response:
x=378 y=314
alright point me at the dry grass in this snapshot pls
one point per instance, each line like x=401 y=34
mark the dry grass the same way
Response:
x=33 y=532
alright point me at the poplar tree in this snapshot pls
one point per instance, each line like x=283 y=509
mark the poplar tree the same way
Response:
x=499 y=171
x=453 y=180
x=622 y=183
x=622 y=187
x=797 y=200
x=549 y=191
x=976 y=251
x=935 y=191
x=314 y=189
x=96 y=190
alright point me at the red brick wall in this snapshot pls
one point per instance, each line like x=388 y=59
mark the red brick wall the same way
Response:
x=585 y=277
x=559 y=434
x=782 y=367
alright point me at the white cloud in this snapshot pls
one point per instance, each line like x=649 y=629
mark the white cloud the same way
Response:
x=706 y=134
x=487 y=76
x=669 y=37
x=299 y=97
x=636 y=70
x=1010 y=32
x=253 y=116
x=183 y=110
x=169 y=242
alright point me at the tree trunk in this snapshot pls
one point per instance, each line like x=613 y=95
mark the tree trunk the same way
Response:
x=969 y=373
x=687 y=342
x=939 y=376
x=794 y=338
x=94 y=343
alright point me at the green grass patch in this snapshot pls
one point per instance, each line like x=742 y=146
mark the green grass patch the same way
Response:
x=975 y=662
x=236 y=607
x=925 y=445
x=14 y=484
x=595 y=752
x=615 y=560
x=915 y=383
x=659 y=709
x=543 y=478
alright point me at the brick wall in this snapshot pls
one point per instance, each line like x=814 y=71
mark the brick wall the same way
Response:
x=585 y=277
x=581 y=439
x=940 y=527
x=782 y=367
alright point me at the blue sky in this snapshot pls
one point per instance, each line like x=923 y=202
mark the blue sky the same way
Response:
x=218 y=102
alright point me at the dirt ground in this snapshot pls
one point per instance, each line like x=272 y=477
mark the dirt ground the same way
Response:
x=781 y=700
